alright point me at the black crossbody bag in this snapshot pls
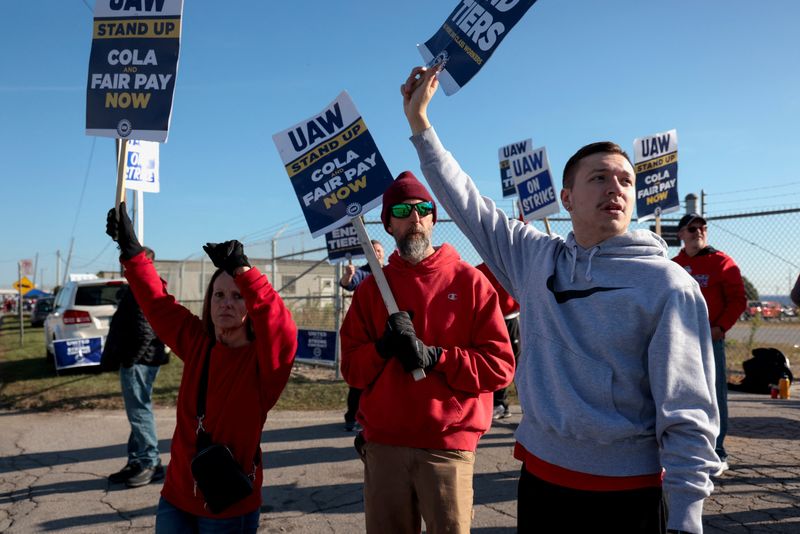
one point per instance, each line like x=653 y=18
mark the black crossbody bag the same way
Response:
x=216 y=472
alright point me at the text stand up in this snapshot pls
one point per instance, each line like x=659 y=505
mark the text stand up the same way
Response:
x=380 y=278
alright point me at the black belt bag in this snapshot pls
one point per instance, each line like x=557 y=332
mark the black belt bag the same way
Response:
x=216 y=472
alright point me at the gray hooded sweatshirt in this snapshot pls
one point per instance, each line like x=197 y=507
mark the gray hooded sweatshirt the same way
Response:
x=616 y=376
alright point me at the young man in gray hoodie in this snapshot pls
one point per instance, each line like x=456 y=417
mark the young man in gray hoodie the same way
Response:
x=616 y=378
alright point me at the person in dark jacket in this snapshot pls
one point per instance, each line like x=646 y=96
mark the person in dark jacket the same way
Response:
x=133 y=347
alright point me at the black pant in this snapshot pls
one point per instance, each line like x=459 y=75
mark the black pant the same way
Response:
x=353 y=398
x=545 y=507
x=512 y=325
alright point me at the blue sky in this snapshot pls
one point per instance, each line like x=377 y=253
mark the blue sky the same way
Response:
x=724 y=73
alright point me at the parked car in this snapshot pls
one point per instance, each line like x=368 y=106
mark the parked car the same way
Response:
x=767 y=309
x=82 y=309
x=41 y=310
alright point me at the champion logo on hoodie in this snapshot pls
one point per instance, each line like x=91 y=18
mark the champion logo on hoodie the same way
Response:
x=452 y=296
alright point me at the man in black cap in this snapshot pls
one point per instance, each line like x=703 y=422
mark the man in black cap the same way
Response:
x=722 y=287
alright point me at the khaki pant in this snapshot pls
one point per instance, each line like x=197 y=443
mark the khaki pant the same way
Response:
x=401 y=484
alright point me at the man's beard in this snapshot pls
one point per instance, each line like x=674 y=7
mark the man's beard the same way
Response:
x=413 y=245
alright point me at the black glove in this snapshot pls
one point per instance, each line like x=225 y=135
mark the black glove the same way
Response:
x=406 y=347
x=121 y=230
x=228 y=255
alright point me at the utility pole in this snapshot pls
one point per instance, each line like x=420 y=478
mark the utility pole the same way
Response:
x=702 y=203
x=69 y=259
x=58 y=268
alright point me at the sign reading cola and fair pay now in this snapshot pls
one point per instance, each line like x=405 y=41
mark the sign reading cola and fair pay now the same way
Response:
x=656 y=166
x=334 y=166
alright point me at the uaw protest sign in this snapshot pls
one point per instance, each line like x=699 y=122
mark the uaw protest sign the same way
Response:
x=334 y=166
x=505 y=153
x=537 y=195
x=132 y=68
x=141 y=166
x=656 y=166
x=343 y=244
x=469 y=37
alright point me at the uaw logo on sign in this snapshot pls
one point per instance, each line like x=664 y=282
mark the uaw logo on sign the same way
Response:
x=537 y=195
x=316 y=346
x=336 y=170
x=132 y=68
x=78 y=352
x=505 y=153
x=469 y=37
x=656 y=166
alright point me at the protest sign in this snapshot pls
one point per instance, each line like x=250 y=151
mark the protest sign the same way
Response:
x=78 y=352
x=504 y=154
x=343 y=244
x=656 y=167
x=537 y=195
x=141 y=166
x=132 y=68
x=333 y=163
x=469 y=37
x=316 y=346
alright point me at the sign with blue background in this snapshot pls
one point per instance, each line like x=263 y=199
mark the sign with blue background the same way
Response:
x=78 y=352
x=132 y=68
x=333 y=163
x=141 y=166
x=537 y=195
x=656 y=165
x=469 y=37
x=505 y=153
x=343 y=244
x=316 y=346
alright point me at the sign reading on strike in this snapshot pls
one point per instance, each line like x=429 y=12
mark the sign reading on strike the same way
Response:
x=132 y=68
x=656 y=166
x=333 y=163
x=316 y=346
x=537 y=195
x=504 y=154
x=141 y=166
x=343 y=244
x=469 y=37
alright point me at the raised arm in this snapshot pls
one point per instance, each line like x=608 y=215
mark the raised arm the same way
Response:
x=488 y=228
x=173 y=324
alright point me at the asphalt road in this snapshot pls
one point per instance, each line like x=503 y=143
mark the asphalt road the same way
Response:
x=53 y=470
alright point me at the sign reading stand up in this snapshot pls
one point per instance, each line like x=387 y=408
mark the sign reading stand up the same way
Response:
x=656 y=167
x=132 y=68
x=334 y=165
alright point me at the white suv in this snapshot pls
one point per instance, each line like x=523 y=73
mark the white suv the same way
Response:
x=82 y=309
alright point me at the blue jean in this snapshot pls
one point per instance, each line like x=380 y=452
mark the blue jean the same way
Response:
x=172 y=520
x=721 y=386
x=137 y=389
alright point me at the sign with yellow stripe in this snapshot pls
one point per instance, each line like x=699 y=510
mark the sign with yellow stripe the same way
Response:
x=333 y=163
x=132 y=68
x=656 y=166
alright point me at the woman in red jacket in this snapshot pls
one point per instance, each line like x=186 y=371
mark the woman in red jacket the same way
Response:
x=249 y=339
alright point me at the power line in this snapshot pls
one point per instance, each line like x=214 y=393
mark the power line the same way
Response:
x=88 y=6
x=752 y=189
x=96 y=257
x=83 y=189
x=750 y=199
x=734 y=234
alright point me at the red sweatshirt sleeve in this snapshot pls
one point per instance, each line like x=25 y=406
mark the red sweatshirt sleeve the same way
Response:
x=276 y=333
x=487 y=364
x=733 y=295
x=361 y=363
x=176 y=326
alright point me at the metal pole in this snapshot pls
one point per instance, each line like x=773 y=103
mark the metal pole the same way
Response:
x=69 y=260
x=140 y=216
x=58 y=268
x=19 y=303
x=36 y=269
x=274 y=264
x=337 y=304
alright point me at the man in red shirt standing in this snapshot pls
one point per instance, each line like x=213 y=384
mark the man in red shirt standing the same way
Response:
x=722 y=287
x=421 y=435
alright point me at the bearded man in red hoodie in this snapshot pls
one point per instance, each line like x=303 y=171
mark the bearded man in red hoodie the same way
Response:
x=420 y=436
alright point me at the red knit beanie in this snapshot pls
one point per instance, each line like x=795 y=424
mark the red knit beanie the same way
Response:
x=404 y=187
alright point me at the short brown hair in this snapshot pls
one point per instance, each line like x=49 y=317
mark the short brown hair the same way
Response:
x=601 y=147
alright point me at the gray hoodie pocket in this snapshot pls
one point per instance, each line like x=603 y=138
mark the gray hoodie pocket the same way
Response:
x=572 y=396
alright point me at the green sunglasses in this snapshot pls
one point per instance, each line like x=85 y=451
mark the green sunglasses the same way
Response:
x=403 y=210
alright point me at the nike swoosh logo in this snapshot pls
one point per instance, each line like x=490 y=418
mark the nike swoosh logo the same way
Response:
x=564 y=296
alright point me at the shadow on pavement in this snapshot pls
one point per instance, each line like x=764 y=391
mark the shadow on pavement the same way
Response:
x=763 y=427
x=58 y=525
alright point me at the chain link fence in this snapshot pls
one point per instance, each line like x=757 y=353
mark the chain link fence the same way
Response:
x=761 y=243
